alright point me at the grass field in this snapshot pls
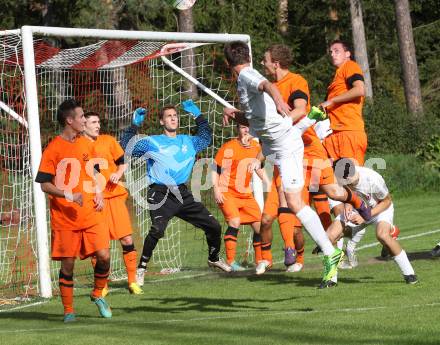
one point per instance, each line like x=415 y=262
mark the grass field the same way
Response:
x=371 y=304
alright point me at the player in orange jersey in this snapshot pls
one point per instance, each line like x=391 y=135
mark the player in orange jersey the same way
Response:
x=112 y=168
x=317 y=168
x=345 y=98
x=233 y=194
x=66 y=173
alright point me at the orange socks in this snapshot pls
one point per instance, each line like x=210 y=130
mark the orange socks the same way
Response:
x=257 y=248
x=300 y=255
x=230 y=239
x=287 y=222
x=66 y=291
x=101 y=277
x=323 y=209
x=130 y=258
x=266 y=252
x=352 y=198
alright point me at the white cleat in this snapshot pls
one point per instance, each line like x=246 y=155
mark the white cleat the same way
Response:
x=220 y=264
x=296 y=267
x=262 y=267
x=352 y=259
x=140 y=275
x=345 y=265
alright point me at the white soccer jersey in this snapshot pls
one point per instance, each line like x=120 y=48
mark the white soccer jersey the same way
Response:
x=371 y=186
x=275 y=132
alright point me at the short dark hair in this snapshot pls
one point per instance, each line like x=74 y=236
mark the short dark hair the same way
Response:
x=65 y=109
x=165 y=108
x=282 y=54
x=91 y=113
x=344 y=168
x=345 y=45
x=237 y=53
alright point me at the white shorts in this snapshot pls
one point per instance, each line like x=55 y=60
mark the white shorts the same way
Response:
x=385 y=216
x=333 y=203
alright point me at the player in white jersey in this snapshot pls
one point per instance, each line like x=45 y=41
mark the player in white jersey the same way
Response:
x=371 y=187
x=270 y=119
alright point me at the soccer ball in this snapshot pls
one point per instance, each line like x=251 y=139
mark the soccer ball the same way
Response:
x=181 y=4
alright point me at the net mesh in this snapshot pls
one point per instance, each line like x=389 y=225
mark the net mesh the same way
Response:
x=112 y=78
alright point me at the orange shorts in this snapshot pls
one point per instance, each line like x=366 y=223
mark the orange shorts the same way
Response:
x=117 y=217
x=347 y=144
x=79 y=243
x=246 y=209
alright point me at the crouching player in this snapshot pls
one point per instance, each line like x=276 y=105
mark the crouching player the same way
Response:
x=233 y=194
x=370 y=186
x=117 y=218
x=75 y=212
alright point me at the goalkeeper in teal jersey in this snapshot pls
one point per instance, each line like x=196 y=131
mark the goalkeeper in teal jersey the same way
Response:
x=170 y=158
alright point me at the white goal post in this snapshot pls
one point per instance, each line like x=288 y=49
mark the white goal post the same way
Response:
x=32 y=120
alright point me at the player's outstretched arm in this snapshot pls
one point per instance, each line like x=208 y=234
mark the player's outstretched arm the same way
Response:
x=234 y=114
x=140 y=146
x=204 y=133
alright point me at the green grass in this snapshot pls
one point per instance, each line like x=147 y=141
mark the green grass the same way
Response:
x=371 y=304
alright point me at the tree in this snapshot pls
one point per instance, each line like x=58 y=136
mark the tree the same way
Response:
x=186 y=24
x=360 y=44
x=413 y=94
x=283 y=15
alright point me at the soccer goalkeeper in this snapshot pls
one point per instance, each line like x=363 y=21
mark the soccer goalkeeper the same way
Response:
x=170 y=159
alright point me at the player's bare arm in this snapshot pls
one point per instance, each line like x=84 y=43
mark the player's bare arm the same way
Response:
x=282 y=107
x=117 y=175
x=299 y=109
x=51 y=189
x=358 y=90
x=237 y=115
x=218 y=195
x=381 y=206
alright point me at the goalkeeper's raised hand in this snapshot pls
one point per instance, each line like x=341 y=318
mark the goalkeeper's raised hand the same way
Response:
x=139 y=116
x=191 y=108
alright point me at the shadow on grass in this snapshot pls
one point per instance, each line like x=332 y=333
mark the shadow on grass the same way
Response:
x=41 y=316
x=203 y=304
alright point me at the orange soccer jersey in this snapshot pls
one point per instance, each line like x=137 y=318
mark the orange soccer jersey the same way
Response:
x=232 y=160
x=115 y=210
x=108 y=149
x=346 y=116
x=69 y=166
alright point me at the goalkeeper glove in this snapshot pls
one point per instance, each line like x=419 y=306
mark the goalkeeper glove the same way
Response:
x=139 y=116
x=317 y=114
x=190 y=107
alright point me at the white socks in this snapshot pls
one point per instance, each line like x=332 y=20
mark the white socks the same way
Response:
x=403 y=263
x=340 y=243
x=313 y=225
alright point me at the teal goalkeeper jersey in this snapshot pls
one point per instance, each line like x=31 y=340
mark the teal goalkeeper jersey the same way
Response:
x=169 y=159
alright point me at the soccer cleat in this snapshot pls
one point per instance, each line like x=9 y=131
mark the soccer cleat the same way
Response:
x=140 y=275
x=296 y=267
x=135 y=289
x=289 y=256
x=220 y=264
x=317 y=114
x=316 y=250
x=352 y=259
x=103 y=307
x=262 y=267
x=69 y=317
x=411 y=279
x=235 y=267
x=364 y=211
x=327 y=284
x=345 y=265
x=435 y=252
x=331 y=263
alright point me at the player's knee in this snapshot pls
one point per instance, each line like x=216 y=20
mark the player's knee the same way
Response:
x=103 y=256
x=235 y=222
x=383 y=235
x=266 y=221
x=214 y=226
x=126 y=240
x=157 y=231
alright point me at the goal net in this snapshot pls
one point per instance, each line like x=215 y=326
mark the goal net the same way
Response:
x=111 y=77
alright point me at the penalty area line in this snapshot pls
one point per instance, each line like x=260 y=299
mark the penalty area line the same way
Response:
x=400 y=239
